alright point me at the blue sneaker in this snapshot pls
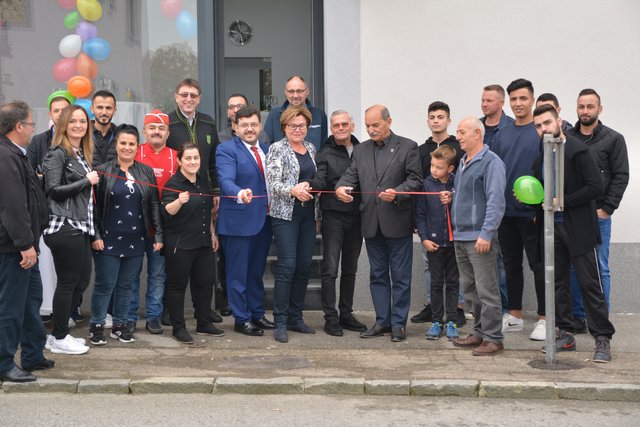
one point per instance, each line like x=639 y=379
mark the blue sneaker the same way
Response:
x=451 y=331
x=435 y=331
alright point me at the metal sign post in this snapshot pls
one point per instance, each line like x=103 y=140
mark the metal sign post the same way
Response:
x=553 y=201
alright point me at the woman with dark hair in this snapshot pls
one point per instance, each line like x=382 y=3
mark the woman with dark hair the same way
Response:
x=127 y=213
x=69 y=182
x=290 y=162
x=190 y=242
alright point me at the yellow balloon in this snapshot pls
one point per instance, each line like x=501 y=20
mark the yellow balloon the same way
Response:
x=90 y=10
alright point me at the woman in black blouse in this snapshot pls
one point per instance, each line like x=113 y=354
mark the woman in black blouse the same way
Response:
x=190 y=241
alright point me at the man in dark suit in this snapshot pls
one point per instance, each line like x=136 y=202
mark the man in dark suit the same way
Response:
x=380 y=168
x=243 y=224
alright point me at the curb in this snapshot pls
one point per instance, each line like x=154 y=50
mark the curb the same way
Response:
x=336 y=386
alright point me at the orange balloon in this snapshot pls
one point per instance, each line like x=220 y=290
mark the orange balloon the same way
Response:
x=86 y=66
x=79 y=86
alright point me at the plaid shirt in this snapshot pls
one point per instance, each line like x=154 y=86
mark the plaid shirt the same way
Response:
x=56 y=222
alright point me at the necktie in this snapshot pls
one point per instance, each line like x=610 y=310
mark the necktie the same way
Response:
x=258 y=159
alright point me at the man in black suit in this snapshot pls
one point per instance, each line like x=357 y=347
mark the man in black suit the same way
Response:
x=382 y=167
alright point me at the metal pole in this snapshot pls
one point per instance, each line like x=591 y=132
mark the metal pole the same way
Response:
x=549 y=265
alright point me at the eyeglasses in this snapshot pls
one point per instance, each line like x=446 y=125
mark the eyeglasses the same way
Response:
x=235 y=107
x=32 y=124
x=249 y=125
x=296 y=91
x=294 y=127
x=341 y=125
x=185 y=95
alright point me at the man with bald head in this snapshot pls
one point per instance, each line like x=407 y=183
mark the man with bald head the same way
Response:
x=297 y=94
x=478 y=207
x=380 y=169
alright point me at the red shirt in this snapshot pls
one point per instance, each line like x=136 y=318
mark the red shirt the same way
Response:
x=164 y=163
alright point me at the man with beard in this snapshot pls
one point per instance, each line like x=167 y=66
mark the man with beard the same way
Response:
x=610 y=151
x=235 y=102
x=103 y=106
x=576 y=237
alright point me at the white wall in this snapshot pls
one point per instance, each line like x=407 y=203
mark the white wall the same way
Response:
x=414 y=52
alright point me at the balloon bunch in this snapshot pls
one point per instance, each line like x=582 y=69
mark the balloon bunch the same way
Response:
x=186 y=24
x=81 y=50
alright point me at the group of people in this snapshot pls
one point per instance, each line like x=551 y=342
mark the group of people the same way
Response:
x=89 y=190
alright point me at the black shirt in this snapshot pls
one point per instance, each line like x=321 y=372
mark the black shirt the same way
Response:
x=189 y=228
x=104 y=146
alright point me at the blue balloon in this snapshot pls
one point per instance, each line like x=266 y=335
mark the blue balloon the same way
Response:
x=86 y=104
x=186 y=25
x=97 y=48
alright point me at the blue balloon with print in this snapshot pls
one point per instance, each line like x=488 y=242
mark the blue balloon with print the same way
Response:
x=86 y=104
x=97 y=48
x=186 y=25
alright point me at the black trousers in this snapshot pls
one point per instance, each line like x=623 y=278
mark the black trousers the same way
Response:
x=445 y=284
x=586 y=266
x=516 y=234
x=185 y=266
x=341 y=238
x=71 y=250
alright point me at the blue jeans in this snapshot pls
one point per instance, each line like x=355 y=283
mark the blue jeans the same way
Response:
x=20 y=300
x=603 y=266
x=391 y=295
x=295 y=240
x=114 y=275
x=156 y=276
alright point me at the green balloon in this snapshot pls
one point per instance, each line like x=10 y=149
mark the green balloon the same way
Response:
x=528 y=190
x=71 y=20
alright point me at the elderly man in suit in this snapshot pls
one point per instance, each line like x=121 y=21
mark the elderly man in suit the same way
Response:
x=243 y=224
x=382 y=167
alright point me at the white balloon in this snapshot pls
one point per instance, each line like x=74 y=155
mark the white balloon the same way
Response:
x=70 y=46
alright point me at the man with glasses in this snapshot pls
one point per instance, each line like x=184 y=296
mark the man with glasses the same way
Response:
x=297 y=94
x=243 y=225
x=234 y=103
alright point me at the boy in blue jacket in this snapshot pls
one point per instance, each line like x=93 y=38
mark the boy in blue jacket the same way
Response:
x=433 y=224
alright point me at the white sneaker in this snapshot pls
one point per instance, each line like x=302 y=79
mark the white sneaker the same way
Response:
x=108 y=323
x=511 y=323
x=539 y=331
x=68 y=345
x=468 y=315
x=72 y=323
x=50 y=338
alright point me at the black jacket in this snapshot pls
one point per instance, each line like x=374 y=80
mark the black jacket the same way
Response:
x=150 y=204
x=38 y=148
x=331 y=162
x=67 y=188
x=23 y=208
x=610 y=152
x=104 y=147
x=430 y=146
x=582 y=185
x=204 y=134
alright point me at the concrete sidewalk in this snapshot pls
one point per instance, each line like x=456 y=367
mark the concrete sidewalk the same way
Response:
x=323 y=364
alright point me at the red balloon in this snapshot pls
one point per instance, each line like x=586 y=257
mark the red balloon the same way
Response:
x=67 y=4
x=170 y=8
x=64 y=69
x=79 y=86
x=86 y=66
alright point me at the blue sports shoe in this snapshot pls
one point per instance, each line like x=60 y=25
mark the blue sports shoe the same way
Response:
x=435 y=331
x=451 y=331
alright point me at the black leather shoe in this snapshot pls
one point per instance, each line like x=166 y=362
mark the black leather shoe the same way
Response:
x=263 y=323
x=213 y=317
x=43 y=365
x=333 y=328
x=376 y=331
x=209 y=329
x=247 y=328
x=17 y=375
x=301 y=327
x=424 y=316
x=165 y=319
x=181 y=335
x=280 y=334
x=579 y=326
x=225 y=311
x=398 y=334
x=350 y=323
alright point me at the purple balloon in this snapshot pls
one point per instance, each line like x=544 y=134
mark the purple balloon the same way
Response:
x=86 y=31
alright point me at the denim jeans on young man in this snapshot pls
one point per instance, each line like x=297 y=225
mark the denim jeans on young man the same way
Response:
x=603 y=266
x=295 y=241
x=114 y=275
x=156 y=276
x=20 y=300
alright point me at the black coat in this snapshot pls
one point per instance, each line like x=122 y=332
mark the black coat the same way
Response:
x=149 y=205
x=23 y=208
x=38 y=148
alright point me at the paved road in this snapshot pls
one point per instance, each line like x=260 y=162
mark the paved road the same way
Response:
x=241 y=410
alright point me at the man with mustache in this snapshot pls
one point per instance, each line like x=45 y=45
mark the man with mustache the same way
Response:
x=103 y=106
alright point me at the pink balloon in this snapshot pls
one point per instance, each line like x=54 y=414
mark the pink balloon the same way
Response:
x=86 y=31
x=170 y=8
x=67 y=4
x=64 y=69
